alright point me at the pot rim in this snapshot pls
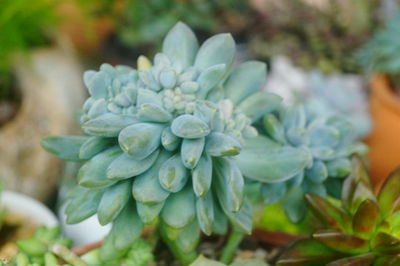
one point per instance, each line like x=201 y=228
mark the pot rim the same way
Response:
x=28 y=207
x=381 y=90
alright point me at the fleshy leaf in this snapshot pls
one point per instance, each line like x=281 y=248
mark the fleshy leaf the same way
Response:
x=189 y=126
x=202 y=176
x=107 y=125
x=169 y=141
x=220 y=144
x=272 y=192
x=318 y=172
x=205 y=212
x=219 y=49
x=93 y=146
x=340 y=167
x=294 y=205
x=274 y=128
x=191 y=151
x=173 y=175
x=149 y=112
x=64 y=147
x=364 y=259
x=259 y=104
x=366 y=217
x=189 y=237
x=125 y=166
x=210 y=78
x=93 y=174
x=390 y=192
x=245 y=80
x=181 y=45
x=113 y=201
x=149 y=212
x=341 y=242
x=179 y=209
x=82 y=204
x=140 y=140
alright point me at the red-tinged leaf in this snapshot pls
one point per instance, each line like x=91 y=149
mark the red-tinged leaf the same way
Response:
x=349 y=185
x=308 y=252
x=330 y=215
x=386 y=244
x=366 y=217
x=390 y=192
x=341 y=242
x=393 y=260
x=361 y=193
x=362 y=260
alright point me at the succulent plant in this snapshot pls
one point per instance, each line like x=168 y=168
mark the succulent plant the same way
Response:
x=160 y=142
x=299 y=153
x=45 y=248
x=362 y=230
x=380 y=54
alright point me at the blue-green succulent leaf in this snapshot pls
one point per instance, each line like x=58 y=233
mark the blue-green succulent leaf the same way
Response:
x=189 y=237
x=209 y=78
x=340 y=167
x=148 y=96
x=259 y=104
x=93 y=174
x=318 y=173
x=191 y=151
x=220 y=144
x=181 y=45
x=189 y=126
x=149 y=112
x=245 y=80
x=94 y=145
x=125 y=166
x=324 y=136
x=202 y=176
x=272 y=192
x=149 y=212
x=64 y=147
x=107 y=125
x=205 y=212
x=173 y=175
x=140 y=140
x=274 y=129
x=169 y=141
x=82 y=204
x=294 y=205
x=113 y=201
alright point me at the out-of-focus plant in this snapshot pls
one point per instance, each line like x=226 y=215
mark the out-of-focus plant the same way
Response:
x=381 y=53
x=45 y=248
x=363 y=230
x=22 y=28
x=160 y=143
x=320 y=146
x=315 y=34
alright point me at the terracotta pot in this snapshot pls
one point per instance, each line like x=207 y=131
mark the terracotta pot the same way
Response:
x=384 y=140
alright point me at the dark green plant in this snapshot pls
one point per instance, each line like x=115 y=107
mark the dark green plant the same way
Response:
x=363 y=230
x=160 y=144
x=381 y=53
x=22 y=29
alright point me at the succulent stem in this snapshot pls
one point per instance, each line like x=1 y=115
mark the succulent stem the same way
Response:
x=231 y=246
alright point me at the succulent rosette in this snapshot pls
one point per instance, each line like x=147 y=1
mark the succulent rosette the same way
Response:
x=362 y=230
x=299 y=153
x=160 y=141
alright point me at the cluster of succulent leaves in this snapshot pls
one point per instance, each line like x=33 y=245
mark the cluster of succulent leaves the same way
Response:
x=380 y=54
x=316 y=146
x=41 y=249
x=362 y=230
x=203 y=261
x=160 y=142
x=21 y=30
x=315 y=36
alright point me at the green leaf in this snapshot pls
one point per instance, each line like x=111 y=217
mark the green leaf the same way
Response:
x=82 y=204
x=149 y=112
x=32 y=247
x=140 y=140
x=191 y=151
x=205 y=212
x=330 y=215
x=149 y=212
x=259 y=104
x=307 y=252
x=189 y=237
x=341 y=242
x=294 y=205
x=189 y=126
x=273 y=192
x=385 y=244
x=169 y=141
x=181 y=45
x=127 y=227
x=210 y=78
x=220 y=144
x=245 y=80
x=366 y=218
x=265 y=161
x=94 y=145
x=93 y=173
x=126 y=167
x=203 y=261
x=364 y=259
x=179 y=208
x=389 y=193
x=145 y=96
x=230 y=183
x=202 y=176
x=146 y=187
x=318 y=172
x=220 y=224
x=274 y=129
x=340 y=167
x=173 y=175
x=219 y=49
x=241 y=220
x=113 y=201
x=64 y=147
x=107 y=125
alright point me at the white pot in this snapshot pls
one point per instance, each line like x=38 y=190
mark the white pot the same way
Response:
x=28 y=207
